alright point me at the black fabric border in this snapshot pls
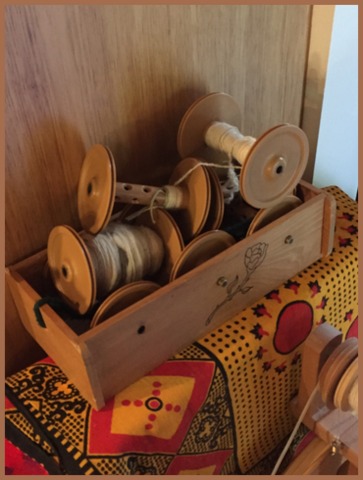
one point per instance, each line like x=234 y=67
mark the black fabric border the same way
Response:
x=221 y=368
x=68 y=465
x=34 y=451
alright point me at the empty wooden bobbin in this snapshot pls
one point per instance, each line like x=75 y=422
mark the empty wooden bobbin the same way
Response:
x=243 y=220
x=122 y=298
x=98 y=190
x=334 y=369
x=201 y=249
x=272 y=165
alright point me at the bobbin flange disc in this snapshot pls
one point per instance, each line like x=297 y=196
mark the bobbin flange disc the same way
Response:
x=167 y=229
x=214 y=107
x=71 y=268
x=196 y=197
x=216 y=210
x=201 y=249
x=267 y=215
x=96 y=189
x=274 y=165
x=341 y=395
x=334 y=368
x=122 y=298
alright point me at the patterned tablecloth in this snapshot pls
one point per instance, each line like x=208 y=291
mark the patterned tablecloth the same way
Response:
x=221 y=406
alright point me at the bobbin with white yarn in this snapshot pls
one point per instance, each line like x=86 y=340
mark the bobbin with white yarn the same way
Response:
x=87 y=268
x=272 y=165
x=98 y=190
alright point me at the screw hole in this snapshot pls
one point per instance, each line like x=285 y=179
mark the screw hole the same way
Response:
x=146 y=189
x=141 y=329
x=127 y=186
x=89 y=189
x=64 y=272
x=279 y=169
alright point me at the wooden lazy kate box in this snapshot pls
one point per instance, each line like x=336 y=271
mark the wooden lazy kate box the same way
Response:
x=106 y=359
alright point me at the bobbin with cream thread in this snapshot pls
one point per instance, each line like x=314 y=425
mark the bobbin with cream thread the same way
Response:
x=272 y=165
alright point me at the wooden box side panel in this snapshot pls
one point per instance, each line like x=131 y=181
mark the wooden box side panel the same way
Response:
x=133 y=342
x=57 y=339
x=307 y=192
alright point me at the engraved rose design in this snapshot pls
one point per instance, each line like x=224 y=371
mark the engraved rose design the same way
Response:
x=254 y=257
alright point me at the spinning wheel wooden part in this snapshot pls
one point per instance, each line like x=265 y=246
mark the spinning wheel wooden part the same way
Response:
x=272 y=165
x=98 y=191
x=333 y=365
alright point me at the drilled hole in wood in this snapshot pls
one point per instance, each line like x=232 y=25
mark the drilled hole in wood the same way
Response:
x=146 y=189
x=89 y=189
x=141 y=329
x=279 y=169
x=127 y=186
x=64 y=272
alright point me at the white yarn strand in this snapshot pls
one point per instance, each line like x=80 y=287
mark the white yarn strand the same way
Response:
x=123 y=254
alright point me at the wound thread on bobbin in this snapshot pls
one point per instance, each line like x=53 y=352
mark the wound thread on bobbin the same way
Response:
x=123 y=254
x=228 y=139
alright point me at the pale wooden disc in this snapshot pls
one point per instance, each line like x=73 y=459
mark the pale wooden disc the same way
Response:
x=96 y=189
x=341 y=396
x=216 y=210
x=265 y=179
x=197 y=191
x=267 y=215
x=122 y=298
x=167 y=229
x=334 y=368
x=71 y=268
x=201 y=249
x=214 y=107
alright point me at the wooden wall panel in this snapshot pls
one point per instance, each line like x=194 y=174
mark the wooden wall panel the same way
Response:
x=124 y=75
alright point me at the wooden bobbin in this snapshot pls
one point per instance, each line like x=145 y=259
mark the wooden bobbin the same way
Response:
x=122 y=298
x=274 y=163
x=267 y=215
x=201 y=249
x=167 y=229
x=71 y=268
x=98 y=190
x=344 y=387
x=334 y=369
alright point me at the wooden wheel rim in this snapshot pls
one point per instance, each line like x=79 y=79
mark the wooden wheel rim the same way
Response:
x=167 y=228
x=341 y=395
x=214 y=107
x=201 y=249
x=216 y=210
x=196 y=187
x=274 y=165
x=267 y=215
x=122 y=298
x=334 y=367
x=71 y=268
x=96 y=189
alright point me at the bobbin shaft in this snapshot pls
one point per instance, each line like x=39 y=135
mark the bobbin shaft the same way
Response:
x=228 y=139
x=131 y=193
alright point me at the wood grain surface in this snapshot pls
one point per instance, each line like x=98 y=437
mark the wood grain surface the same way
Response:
x=123 y=75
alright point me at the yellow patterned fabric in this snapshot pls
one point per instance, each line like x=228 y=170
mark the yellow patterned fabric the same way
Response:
x=221 y=406
x=260 y=349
